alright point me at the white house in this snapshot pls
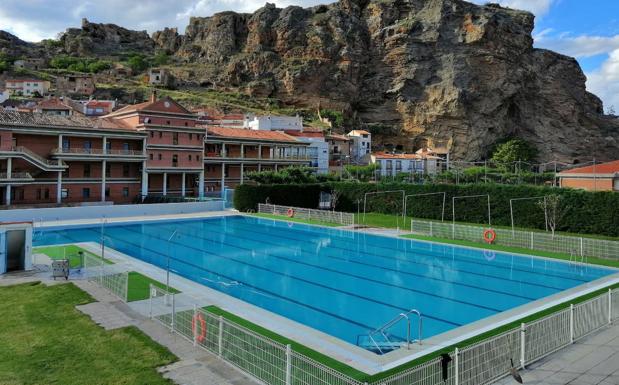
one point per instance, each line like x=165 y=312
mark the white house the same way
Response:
x=4 y=95
x=274 y=123
x=393 y=164
x=27 y=87
x=361 y=145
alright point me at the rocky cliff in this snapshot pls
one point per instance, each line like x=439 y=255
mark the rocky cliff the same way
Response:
x=415 y=72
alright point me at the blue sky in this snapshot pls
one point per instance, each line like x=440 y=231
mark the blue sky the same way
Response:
x=585 y=29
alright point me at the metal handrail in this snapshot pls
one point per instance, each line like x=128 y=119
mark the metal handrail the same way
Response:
x=97 y=151
x=383 y=329
x=36 y=156
x=16 y=175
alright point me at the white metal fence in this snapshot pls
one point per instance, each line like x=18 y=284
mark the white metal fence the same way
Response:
x=577 y=246
x=113 y=277
x=481 y=363
x=310 y=214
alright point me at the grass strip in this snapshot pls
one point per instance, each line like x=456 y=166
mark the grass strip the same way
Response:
x=71 y=252
x=298 y=220
x=44 y=339
x=517 y=250
x=139 y=287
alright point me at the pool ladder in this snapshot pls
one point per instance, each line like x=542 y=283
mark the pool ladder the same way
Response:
x=389 y=343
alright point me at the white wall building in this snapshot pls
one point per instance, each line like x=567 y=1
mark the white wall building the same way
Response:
x=361 y=146
x=393 y=164
x=4 y=95
x=27 y=87
x=275 y=123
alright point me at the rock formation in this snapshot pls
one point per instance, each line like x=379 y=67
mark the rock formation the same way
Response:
x=414 y=72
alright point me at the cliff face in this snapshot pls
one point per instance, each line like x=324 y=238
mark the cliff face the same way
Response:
x=415 y=72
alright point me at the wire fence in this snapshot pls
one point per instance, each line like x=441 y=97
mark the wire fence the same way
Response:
x=543 y=241
x=274 y=363
x=309 y=214
x=112 y=277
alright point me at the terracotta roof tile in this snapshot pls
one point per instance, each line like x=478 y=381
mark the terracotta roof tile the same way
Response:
x=248 y=134
x=602 y=168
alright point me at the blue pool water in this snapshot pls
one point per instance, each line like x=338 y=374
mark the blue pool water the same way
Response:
x=340 y=282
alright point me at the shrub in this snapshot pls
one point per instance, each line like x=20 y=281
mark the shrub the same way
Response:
x=589 y=213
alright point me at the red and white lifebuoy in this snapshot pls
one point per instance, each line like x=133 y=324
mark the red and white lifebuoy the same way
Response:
x=290 y=213
x=489 y=236
x=201 y=335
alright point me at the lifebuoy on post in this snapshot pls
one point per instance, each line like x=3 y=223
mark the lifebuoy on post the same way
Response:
x=489 y=236
x=290 y=213
x=198 y=318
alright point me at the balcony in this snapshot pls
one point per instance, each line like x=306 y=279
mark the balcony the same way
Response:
x=227 y=156
x=98 y=152
x=16 y=177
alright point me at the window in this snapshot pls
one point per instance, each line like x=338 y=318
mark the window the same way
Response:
x=190 y=157
x=107 y=192
x=160 y=157
x=108 y=170
x=64 y=193
x=66 y=144
x=126 y=147
x=186 y=124
x=174 y=160
x=167 y=122
x=152 y=134
x=190 y=136
x=86 y=193
x=86 y=170
x=151 y=156
x=125 y=170
x=87 y=146
x=160 y=134
x=125 y=192
x=175 y=138
x=46 y=195
x=108 y=147
x=198 y=158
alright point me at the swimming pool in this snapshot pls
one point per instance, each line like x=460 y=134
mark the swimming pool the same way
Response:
x=342 y=283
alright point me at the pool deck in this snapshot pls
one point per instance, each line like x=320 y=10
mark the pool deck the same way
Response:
x=592 y=360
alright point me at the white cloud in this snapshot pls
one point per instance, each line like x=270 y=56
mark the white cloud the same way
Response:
x=604 y=81
x=34 y=20
x=578 y=46
x=538 y=7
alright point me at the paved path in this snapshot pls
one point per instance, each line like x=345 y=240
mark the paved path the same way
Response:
x=593 y=360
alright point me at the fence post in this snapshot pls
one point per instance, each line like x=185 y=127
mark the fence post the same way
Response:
x=582 y=249
x=431 y=229
x=522 y=345
x=194 y=325
x=571 y=323
x=532 y=240
x=288 y=365
x=610 y=306
x=173 y=313
x=126 y=288
x=220 y=337
x=150 y=300
x=456 y=367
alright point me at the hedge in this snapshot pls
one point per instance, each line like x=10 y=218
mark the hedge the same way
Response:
x=588 y=213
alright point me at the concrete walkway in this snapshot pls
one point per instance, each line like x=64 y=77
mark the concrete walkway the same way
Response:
x=194 y=367
x=593 y=360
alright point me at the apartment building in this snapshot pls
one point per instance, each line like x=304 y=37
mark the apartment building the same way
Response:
x=232 y=152
x=394 y=164
x=27 y=87
x=151 y=148
x=339 y=151
x=361 y=146
x=53 y=159
x=174 y=146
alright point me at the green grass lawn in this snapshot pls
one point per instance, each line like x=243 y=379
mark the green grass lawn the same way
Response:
x=517 y=250
x=307 y=221
x=67 y=251
x=139 y=287
x=45 y=340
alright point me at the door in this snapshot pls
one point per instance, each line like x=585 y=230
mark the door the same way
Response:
x=15 y=250
x=2 y=252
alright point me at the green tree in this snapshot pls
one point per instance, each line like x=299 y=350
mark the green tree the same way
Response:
x=361 y=173
x=137 y=63
x=4 y=65
x=161 y=58
x=513 y=150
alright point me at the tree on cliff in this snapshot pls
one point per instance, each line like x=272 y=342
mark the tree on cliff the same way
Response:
x=512 y=151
